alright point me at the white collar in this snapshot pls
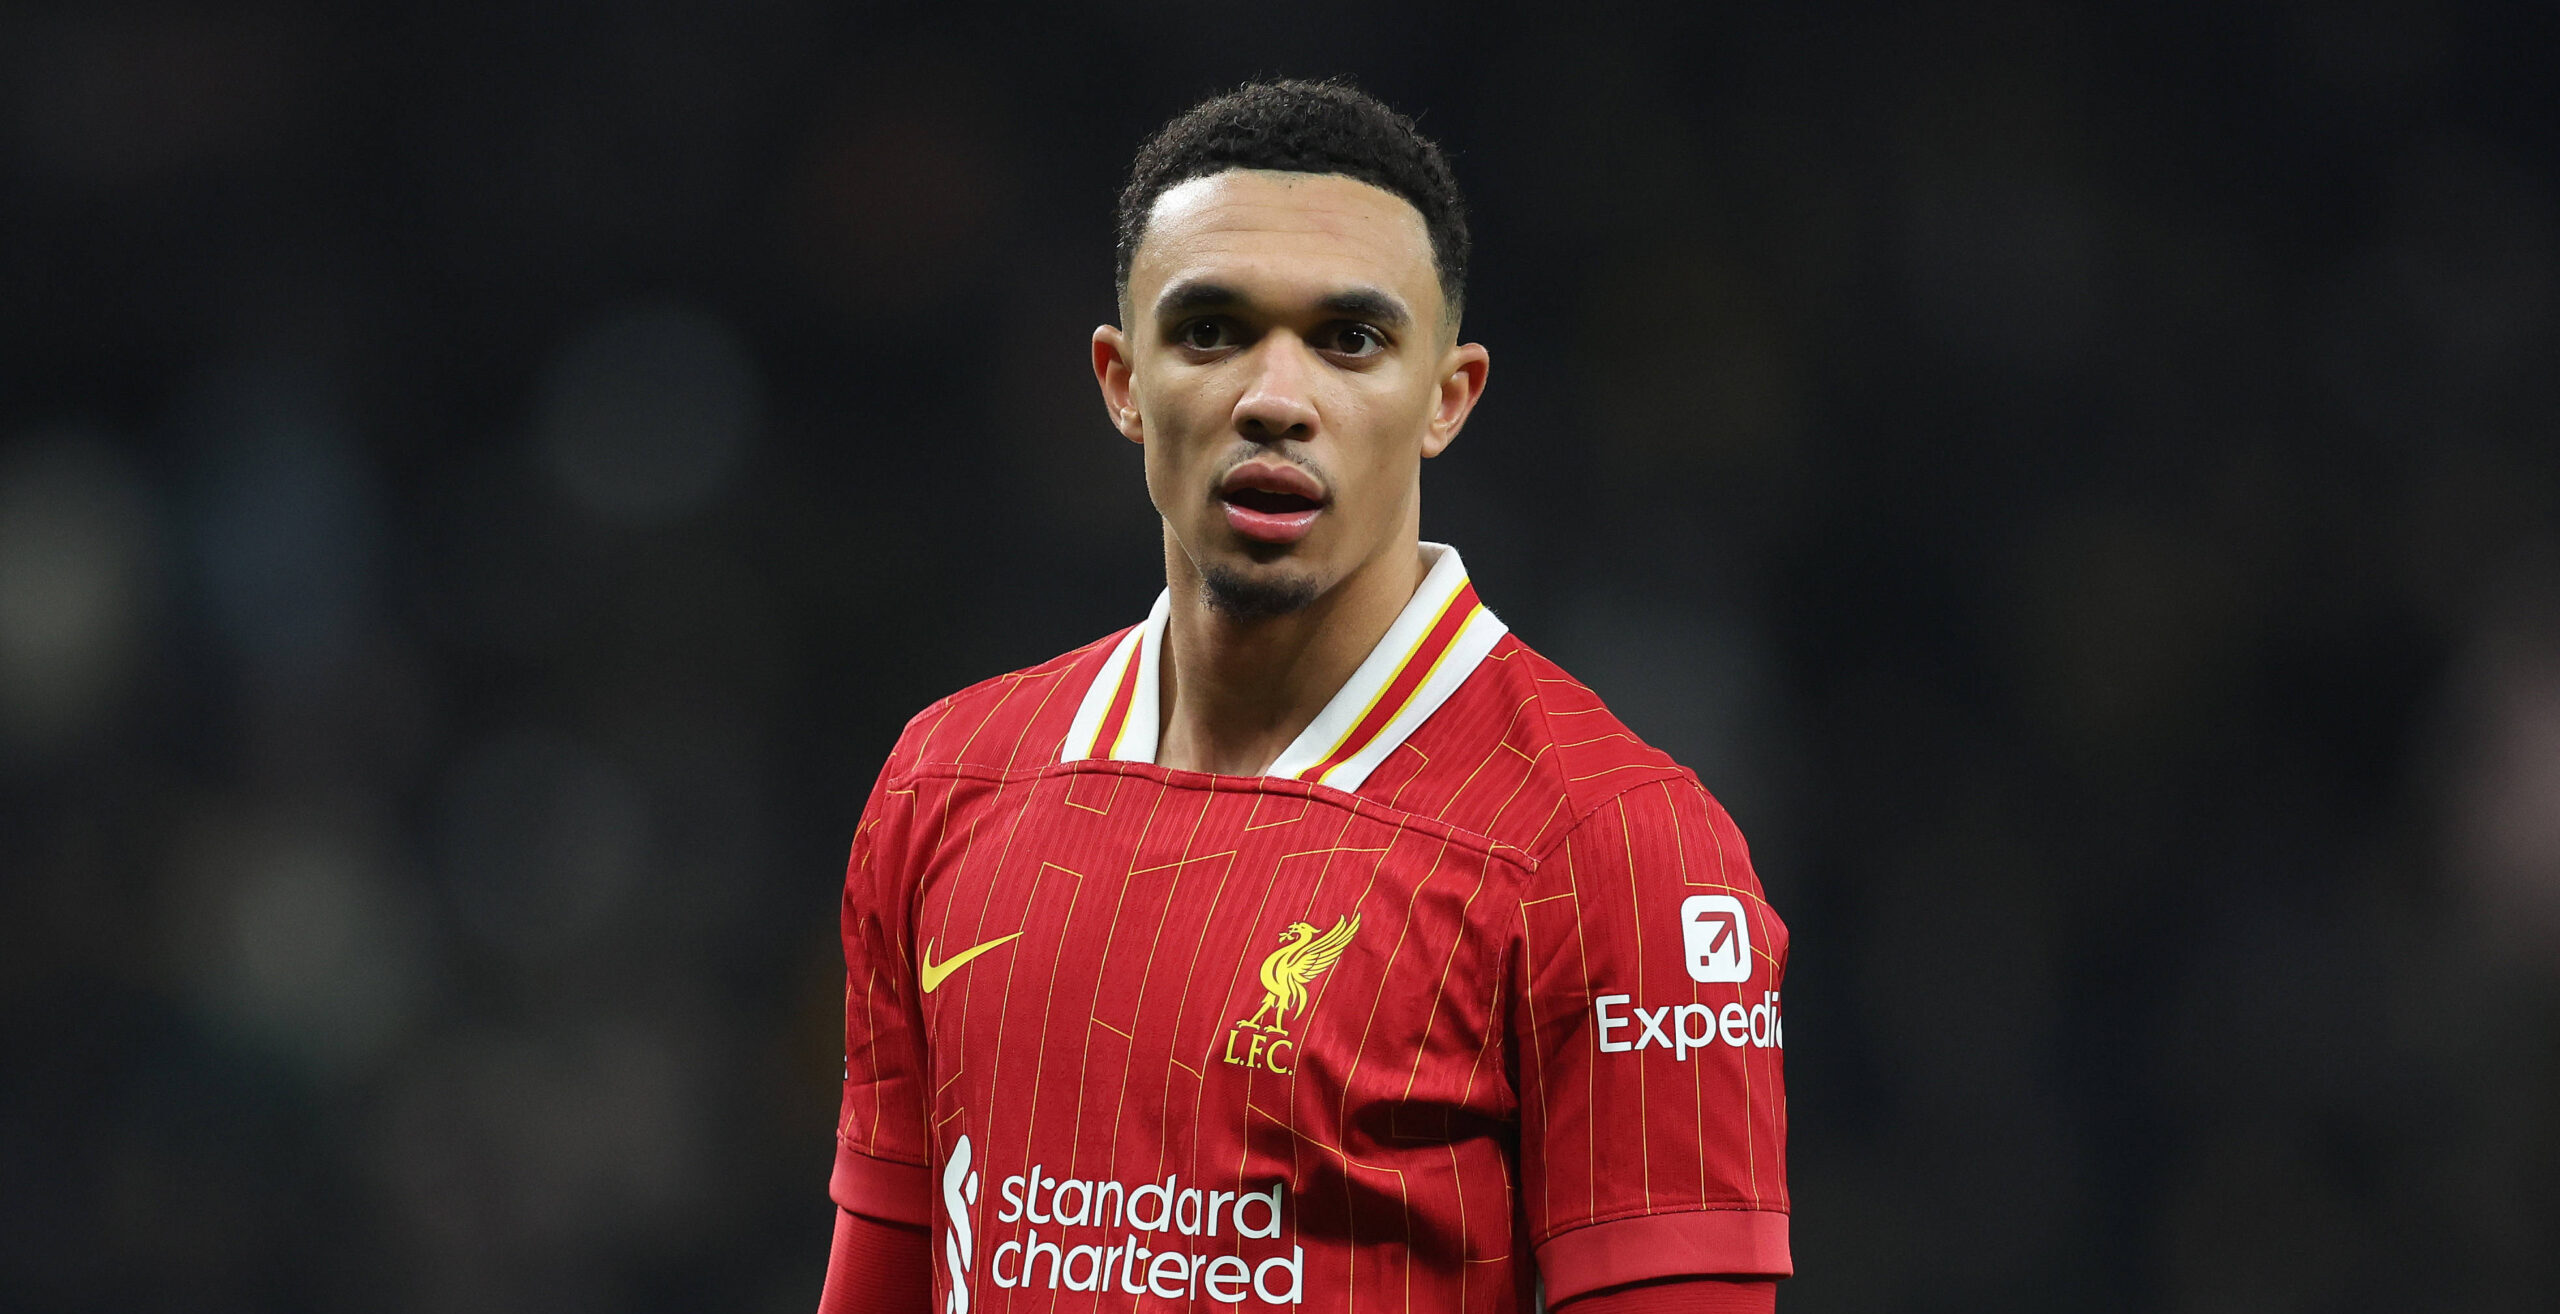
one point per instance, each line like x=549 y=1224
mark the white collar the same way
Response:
x=1437 y=641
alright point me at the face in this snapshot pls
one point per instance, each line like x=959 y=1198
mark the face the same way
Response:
x=1287 y=364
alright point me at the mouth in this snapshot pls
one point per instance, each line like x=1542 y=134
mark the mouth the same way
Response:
x=1271 y=503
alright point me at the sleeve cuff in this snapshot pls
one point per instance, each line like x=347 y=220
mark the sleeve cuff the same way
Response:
x=877 y=1188
x=1694 y=1243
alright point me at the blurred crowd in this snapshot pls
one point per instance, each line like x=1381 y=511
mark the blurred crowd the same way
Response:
x=481 y=488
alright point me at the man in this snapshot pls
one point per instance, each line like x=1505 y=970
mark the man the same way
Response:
x=1313 y=942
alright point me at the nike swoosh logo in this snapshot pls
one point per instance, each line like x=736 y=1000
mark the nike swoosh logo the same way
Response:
x=931 y=975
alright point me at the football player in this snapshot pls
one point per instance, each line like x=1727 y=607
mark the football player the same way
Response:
x=1312 y=941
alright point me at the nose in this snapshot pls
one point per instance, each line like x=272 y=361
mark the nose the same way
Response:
x=1279 y=402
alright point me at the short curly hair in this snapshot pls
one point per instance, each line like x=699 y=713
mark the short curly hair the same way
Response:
x=1302 y=127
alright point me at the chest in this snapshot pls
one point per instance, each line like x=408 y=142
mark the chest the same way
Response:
x=1109 y=957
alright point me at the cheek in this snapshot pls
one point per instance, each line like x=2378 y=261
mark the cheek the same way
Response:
x=1391 y=449
x=1177 y=415
x=1178 y=433
x=1160 y=469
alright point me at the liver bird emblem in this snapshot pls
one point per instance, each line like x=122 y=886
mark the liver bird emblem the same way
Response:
x=1303 y=955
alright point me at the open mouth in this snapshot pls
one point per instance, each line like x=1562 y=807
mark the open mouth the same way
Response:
x=1271 y=503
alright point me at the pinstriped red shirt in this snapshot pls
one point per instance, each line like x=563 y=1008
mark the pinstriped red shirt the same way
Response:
x=1472 y=991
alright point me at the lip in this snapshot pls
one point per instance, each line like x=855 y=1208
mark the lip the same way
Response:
x=1258 y=482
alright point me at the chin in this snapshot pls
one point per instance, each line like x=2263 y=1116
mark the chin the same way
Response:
x=1257 y=592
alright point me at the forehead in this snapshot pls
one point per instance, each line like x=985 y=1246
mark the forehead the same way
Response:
x=1249 y=226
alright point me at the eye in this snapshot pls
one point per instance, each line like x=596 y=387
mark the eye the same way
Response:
x=1358 y=340
x=1205 y=335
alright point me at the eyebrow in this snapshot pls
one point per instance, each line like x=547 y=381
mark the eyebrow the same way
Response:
x=1362 y=303
x=1370 y=304
x=1193 y=294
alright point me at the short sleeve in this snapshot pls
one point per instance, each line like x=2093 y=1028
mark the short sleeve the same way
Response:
x=881 y=1154
x=1649 y=1038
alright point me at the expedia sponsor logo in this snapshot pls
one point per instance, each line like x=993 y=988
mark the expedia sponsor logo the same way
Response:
x=1303 y=955
x=1685 y=1027
x=1137 y=1215
x=1717 y=936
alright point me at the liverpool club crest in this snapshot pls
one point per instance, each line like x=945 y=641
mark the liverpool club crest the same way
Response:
x=1303 y=955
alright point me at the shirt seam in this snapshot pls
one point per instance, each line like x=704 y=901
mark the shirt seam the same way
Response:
x=852 y=1148
x=1539 y=855
x=1357 y=804
x=1625 y=1215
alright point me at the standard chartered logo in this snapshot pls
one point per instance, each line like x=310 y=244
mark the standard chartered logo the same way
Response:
x=959 y=1242
x=1148 y=1212
x=1687 y=1026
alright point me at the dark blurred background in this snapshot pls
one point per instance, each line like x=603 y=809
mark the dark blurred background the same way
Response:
x=481 y=487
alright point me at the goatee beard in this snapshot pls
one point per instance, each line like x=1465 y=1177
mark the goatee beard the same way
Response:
x=1240 y=597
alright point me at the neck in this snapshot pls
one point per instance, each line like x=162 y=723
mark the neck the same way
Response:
x=1236 y=693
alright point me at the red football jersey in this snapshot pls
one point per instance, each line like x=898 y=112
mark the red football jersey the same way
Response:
x=1473 y=991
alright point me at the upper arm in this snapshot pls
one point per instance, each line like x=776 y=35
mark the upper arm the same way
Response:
x=881 y=1149
x=1653 y=1098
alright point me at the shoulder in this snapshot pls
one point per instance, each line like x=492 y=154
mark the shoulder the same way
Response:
x=1628 y=833
x=1589 y=756
x=1013 y=722
x=1527 y=755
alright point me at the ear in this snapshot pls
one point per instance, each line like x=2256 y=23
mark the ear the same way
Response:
x=1119 y=392
x=1462 y=376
